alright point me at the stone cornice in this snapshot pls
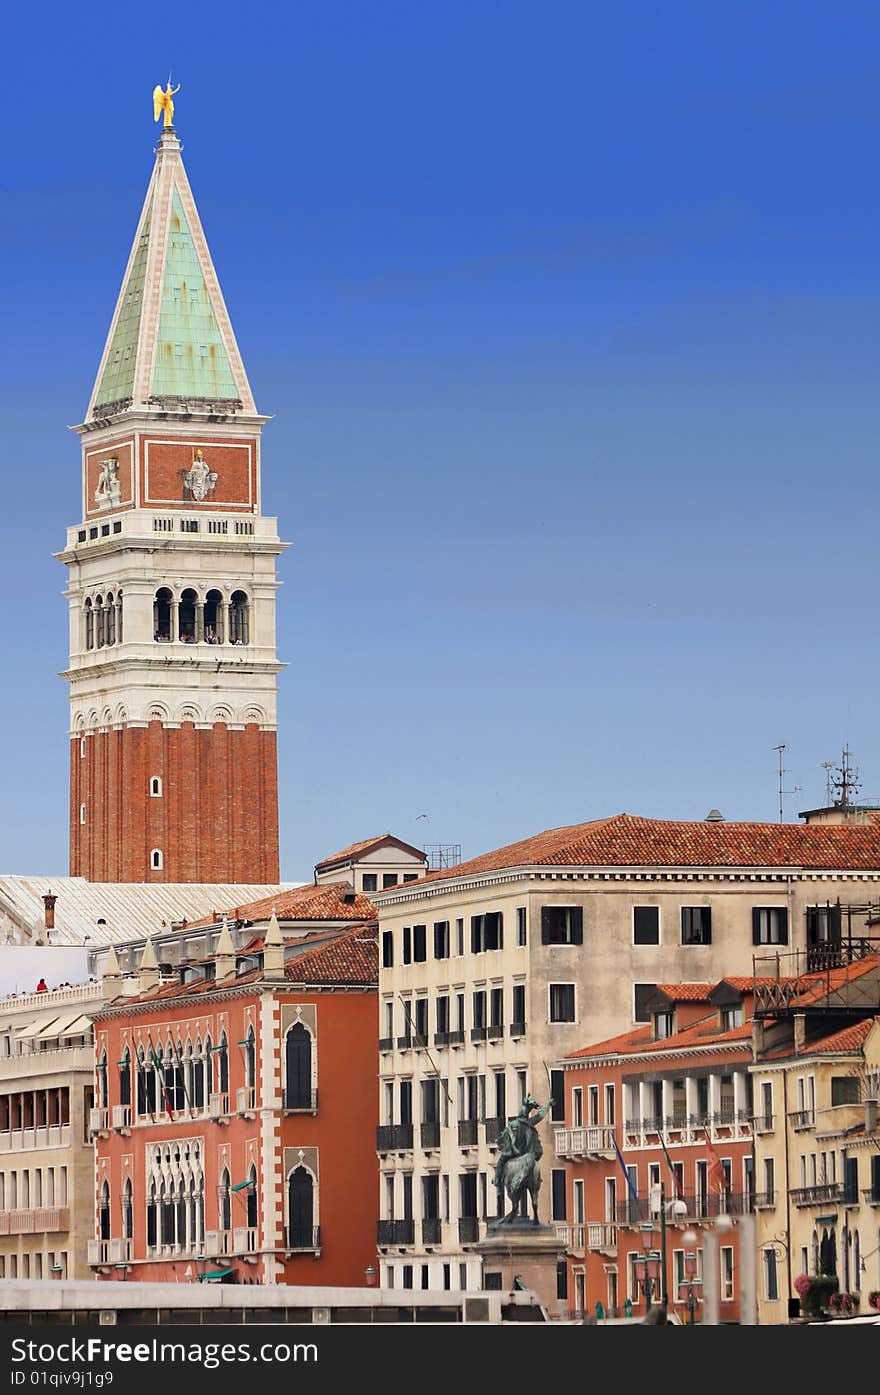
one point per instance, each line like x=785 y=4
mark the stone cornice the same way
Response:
x=141 y=1008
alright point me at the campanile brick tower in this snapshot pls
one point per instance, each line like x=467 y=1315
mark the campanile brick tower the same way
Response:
x=173 y=770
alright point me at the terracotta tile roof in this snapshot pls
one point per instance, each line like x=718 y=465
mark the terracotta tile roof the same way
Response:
x=364 y=846
x=846 y=1041
x=625 y=840
x=351 y=957
x=748 y=985
x=303 y=903
x=637 y=1040
x=686 y=992
x=815 y=987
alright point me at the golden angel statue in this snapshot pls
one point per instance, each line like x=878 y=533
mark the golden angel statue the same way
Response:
x=163 y=101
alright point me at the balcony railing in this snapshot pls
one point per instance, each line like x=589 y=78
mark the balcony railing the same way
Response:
x=120 y=1116
x=703 y=1206
x=495 y=1030
x=36 y=1221
x=395 y=1232
x=583 y=1142
x=429 y=1134
x=301 y=1102
x=304 y=1239
x=246 y=1099
x=871 y=1195
x=493 y=1128
x=404 y=1042
x=479 y=1033
x=38 y=1136
x=762 y=1201
x=802 y=1118
x=244 y=1240
x=811 y=1196
x=572 y=1236
x=467 y=1133
x=98 y=1119
x=601 y=1235
x=517 y=1029
x=763 y=1123
x=386 y=1043
x=392 y=1136
x=218 y=1107
x=468 y=1229
x=456 y=1038
x=441 y=1038
x=420 y=1039
x=431 y=1230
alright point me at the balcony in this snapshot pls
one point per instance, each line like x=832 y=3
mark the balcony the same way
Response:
x=244 y=1240
x=429 y=1134
x=816 y=1195
x=302 y=1102
x=468 y=1229
x=871 y=1196
x=395 y=1232
x=405 y=1042
x=593 y=1142
x=802 y=1119
x=495 y=1031
x=218 y=1242
x=479 y=1033
x=467 y=1133
x=304 y=1240
x=441 y=1038
x=763 y=1123
x=601 y=1237
x=109 y=1252
x=392 y=1137
x=420 y=1040
x=36 y=1221
x=218 y=1108
x=493 y=1128
x=98 y=1121
x=517 y=1029
x=431 y=1230
x=572 y=1236
x=763 y=1201
x=39 y=1136
x=246 y=1101
x=120 y=1116
x=386 y=1043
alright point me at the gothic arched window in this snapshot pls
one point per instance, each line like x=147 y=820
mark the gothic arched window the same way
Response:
x=89 y=615
x=225 y=1201
x=213 y=618
x=125 y=1078
x=162 y=614
x=300 y=1209
x=104 y=1211
x=298 y=1075
x=186 y=623
x=252 y=1198
x=110 y=620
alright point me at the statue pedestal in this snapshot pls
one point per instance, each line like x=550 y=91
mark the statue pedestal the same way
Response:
x=520 y=1249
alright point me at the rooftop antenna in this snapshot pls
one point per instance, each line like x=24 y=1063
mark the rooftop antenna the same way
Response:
x=781 y=772
x=828 y=766
x=847 y=783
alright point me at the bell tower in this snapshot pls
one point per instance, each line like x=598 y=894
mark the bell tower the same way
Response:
x=171 y=580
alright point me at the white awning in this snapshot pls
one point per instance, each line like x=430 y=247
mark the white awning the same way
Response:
x=62 y=1027
x=79 y=1027
x=32 y=1029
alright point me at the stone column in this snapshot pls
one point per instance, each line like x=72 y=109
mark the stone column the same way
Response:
x=174 y=608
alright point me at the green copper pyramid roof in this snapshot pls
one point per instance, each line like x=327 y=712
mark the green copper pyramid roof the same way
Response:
x=171 y=345
x=190 y=360
x=117 y=380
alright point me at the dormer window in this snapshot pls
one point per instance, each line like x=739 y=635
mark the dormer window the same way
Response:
x=663 y=1025
x=731 y=1017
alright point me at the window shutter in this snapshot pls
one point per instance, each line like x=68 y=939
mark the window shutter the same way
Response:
x=756 y=925
x=500 y=929
x=834 y=923
x=546 y=930
x=577 y=925
x=475 y=934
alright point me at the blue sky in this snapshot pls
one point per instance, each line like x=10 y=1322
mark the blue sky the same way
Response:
x=567 y=317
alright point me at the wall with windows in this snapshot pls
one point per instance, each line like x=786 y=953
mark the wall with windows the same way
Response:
x=239 y=1127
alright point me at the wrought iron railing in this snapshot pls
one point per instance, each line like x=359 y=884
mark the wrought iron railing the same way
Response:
x=391 y=1136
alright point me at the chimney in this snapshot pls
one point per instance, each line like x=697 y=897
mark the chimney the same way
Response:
x=800 y=1032
x=714 y=816
x=870 y=1116
x=349 y=896
x=49 y=910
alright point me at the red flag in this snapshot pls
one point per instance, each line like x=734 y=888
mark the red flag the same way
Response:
x=716 y=1176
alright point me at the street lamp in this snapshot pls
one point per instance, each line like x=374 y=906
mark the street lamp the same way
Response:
x=690 y=1281
x=647 y=1272
x=370 y=1275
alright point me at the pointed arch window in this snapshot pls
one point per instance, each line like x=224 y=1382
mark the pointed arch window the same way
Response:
x=225 y=1199
x=102 y=1080
x=223 y=1065
x=104 y=1211
x=300 y=1210
x=152 y=1218
x=198 y=1078
x=127 y=1211
x=250 y=1059
x=298 y=1073
x=252 y=1198
x=125 y=1078
x=209 y=1068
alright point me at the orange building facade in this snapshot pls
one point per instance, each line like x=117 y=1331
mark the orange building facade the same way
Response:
x=674 y=1099
x=234 y=1120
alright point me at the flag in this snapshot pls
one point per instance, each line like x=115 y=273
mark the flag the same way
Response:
x=672 y=1172
x=632 y=1191
x=716 y=1176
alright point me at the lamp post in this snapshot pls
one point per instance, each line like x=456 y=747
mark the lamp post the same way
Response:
x=647 y=1272
x=370 y=1276
x=691 y=1281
